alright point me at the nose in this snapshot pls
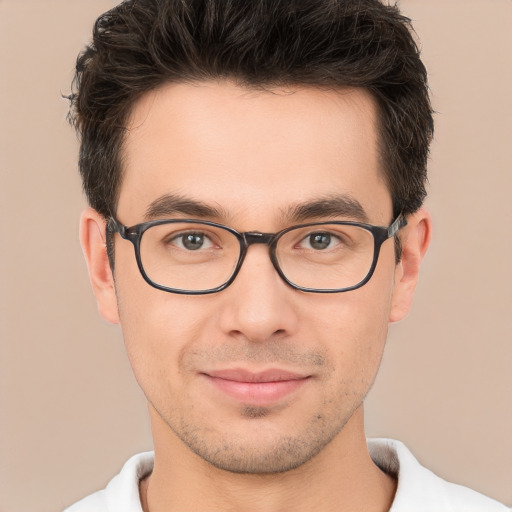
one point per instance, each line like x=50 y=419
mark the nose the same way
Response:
x=259 y=306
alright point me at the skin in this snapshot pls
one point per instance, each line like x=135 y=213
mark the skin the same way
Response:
x=253 y=155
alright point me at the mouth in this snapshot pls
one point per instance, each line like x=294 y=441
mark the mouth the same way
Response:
x=256 y=388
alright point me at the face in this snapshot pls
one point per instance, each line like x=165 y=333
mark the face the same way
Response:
x=259 y=377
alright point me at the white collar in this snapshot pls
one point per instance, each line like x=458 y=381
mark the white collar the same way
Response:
x=418 y=490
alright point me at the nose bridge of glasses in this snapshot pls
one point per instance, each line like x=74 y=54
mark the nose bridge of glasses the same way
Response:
x=255 y=237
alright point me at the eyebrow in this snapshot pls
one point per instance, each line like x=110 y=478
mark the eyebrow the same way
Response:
x=172 y=204
x=335 y=206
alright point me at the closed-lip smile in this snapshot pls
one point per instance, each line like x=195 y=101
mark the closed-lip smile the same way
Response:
x=256 y=388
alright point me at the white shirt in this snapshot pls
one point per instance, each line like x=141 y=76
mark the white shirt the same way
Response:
x=419 y=490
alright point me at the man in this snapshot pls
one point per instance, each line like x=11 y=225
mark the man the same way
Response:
x=256 y=172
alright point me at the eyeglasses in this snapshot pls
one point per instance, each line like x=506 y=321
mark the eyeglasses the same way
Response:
x=198 y=257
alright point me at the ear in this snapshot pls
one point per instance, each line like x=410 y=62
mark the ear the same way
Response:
x=415 y=239
x=92 y=238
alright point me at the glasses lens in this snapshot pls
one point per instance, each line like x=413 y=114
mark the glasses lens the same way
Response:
x=189 y=256
x=326 y=256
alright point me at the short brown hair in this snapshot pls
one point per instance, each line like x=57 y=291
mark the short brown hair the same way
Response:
x=142 y=44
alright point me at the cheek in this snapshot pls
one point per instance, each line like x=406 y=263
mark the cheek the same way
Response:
x=152 y=320
x=354 y=325
x=156 y=326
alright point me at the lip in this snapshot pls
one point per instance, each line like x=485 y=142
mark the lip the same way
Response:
x=256 y=388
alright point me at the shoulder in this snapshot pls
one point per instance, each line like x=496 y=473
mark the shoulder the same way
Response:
x=122 y=492
x=421 y=490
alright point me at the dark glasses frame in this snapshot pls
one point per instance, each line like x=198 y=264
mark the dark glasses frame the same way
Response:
x=134 y=235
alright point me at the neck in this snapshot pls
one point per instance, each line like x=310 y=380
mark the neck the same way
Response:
x=341 y=477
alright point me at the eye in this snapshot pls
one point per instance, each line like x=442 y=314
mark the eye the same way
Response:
x=319 y=241
x=192 y=241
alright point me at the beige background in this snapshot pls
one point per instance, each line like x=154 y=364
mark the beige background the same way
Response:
x=70 y=412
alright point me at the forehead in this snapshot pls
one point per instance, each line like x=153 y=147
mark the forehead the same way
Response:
x=245 y=149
